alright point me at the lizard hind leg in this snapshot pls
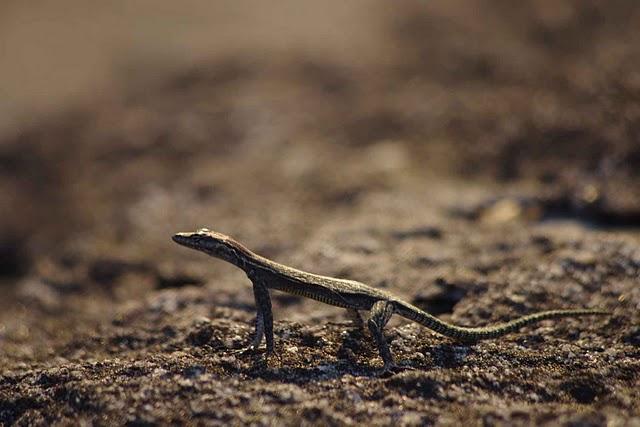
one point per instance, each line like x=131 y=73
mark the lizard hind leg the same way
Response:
x=356 y=319
x=380 y=313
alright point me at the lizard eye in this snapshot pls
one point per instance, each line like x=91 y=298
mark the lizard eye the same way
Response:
x=203 y=230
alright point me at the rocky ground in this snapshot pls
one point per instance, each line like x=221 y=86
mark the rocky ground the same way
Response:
x=486 y=169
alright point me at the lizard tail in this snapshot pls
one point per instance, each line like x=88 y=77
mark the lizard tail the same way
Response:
x=464 y=334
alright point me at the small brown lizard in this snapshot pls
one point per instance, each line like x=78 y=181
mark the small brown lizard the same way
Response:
x=266 y=274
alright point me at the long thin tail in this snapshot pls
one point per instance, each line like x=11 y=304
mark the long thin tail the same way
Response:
x=477 y=334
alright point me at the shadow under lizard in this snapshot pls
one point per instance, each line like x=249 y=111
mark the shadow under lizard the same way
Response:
x=349 y=294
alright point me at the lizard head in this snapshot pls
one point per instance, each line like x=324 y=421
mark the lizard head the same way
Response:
x=212 y=243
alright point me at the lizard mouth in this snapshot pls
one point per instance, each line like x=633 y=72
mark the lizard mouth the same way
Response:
x=183 y=239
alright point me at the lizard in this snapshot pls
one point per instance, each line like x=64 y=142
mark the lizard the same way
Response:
x=354 y=296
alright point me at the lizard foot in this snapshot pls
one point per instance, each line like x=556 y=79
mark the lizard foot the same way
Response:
x=390 y=369
x=272 y=359
x=271 y=353
x=246 y=350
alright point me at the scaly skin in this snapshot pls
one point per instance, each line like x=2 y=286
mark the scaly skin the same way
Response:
x=266 y=274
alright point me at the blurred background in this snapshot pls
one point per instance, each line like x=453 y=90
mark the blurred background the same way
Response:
x=108 y=109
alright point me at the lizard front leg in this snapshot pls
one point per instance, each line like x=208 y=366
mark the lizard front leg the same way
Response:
x=264 y=317
x=259 y=332
x=380 y=313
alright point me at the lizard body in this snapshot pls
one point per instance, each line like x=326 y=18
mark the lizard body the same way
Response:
x=266 y=274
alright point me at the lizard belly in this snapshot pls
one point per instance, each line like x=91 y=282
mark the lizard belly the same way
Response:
x=327 y=299
x=322 y=295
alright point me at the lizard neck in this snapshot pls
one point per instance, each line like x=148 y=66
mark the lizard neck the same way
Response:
x=240 y=256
